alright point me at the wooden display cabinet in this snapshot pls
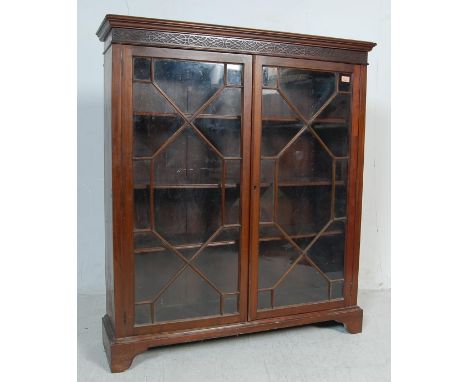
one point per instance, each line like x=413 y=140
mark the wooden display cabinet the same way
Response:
x=233 y=181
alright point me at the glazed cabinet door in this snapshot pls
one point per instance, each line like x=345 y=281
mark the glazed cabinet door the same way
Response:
x=300 y=181
x=188 y=122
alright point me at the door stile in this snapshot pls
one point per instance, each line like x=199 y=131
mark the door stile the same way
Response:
x=246 y=136
x=255 y=184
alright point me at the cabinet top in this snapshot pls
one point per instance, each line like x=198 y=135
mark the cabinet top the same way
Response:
x=179 y=34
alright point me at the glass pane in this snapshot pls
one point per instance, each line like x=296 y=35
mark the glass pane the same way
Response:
x=142 y=240
x=267 y=171
x=305 y=186
x=276 y=134
x=332 y=125
x=187 y=215
x=328 y=251
x=234 y=74
x=228 y=103
x=188 y=297
x=305 y=161
x=188 y=83
x=227 y=236
x=141 y=68
x=338 y=108
x=143 y=314
x=307 y=90
x=141 y=210
x=270 y=77
x=232 y=205
x=147 y=99
x=275 y=107
x=276 y=256
x=221 y=122
x=292 y=283
x=231 y=304
x=340 y=201
x=269 y=231
x=165 y=263
x=304 y=239
x=304 y=284
x=279 y=123
x=341 y=172
x=303 y=210
x=151 y=131
x=219 y=262
x=341 y=188
x=266 y=203
x=187 y=160
x=267 y=190
x=232 y=172
x=337 y=289
x=141 y=173
x=264 y=299
x=335 y=137
x=224 y=134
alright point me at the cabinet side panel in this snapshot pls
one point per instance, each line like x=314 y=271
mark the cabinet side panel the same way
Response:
x=359 y=179
x=108 y=183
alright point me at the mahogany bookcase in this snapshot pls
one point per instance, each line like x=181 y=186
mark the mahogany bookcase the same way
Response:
x=233 y=181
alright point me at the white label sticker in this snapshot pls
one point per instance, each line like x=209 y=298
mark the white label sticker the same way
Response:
x=345 y=78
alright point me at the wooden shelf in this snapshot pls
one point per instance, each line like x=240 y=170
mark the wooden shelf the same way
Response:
x=185 y=246
x=331 y=120
x=320 y=183
x=264 y=119
x=305 y=183
x=232 y=242
x=291 y=119
x=317 y=183
x=280 y=119
x=177 y=115
x=142 y=186
x=302 y=236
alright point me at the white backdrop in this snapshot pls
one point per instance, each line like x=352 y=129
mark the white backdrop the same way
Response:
x=357 y=19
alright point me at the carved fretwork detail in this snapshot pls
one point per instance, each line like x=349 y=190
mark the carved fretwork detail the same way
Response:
x=205 y=42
